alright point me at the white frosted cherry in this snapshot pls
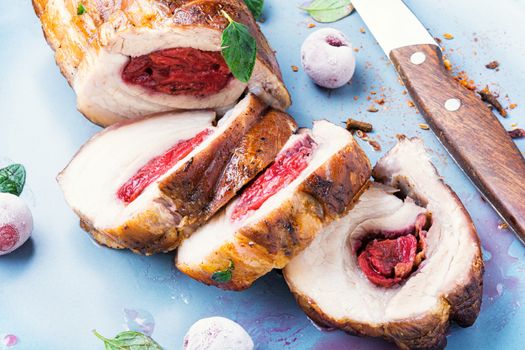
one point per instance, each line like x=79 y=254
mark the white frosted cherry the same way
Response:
x=16 y=223
x=217 y=333
x=328 y=58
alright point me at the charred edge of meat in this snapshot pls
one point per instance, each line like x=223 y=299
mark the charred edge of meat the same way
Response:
x=191 y=188
x=466 y=303
x=145 y=233
x=428 y=332
x=324 y=195
x=196 y=191
x=252 y=155
x=100 y=237
x=272 y=242
x=328 y=184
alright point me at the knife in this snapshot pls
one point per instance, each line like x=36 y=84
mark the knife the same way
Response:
x=467 y=128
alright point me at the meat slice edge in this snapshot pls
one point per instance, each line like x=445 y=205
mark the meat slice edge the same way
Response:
x=332 y=290
x=188 y=194
x=286 y=223
x=92 y=49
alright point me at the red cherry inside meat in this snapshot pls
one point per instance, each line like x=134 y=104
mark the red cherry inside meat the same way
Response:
x=157 y=166
x=179 y=71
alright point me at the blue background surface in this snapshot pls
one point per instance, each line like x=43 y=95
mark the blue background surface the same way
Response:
x=60 y=285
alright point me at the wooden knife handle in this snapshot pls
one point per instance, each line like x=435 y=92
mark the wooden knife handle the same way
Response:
x=469 y=130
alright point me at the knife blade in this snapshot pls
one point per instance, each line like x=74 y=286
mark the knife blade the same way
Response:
x=471 y=133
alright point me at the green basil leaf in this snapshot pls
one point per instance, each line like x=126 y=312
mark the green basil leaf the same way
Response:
x=80 y=9
x=256 y=7
x=13 y=179
x=129 y=340
x=238 y=49
x=224 y=275
x=326 y=11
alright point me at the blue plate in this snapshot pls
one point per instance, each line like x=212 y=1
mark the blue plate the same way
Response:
x=60 y=286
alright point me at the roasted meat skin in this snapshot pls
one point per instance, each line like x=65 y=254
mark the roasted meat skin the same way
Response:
x=270 y=242
x=194 y=192
x=108 y=25
x=460 y=303
x=210 y=180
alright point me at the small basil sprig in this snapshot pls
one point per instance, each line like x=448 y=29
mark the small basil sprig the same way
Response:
x=80 y=9
x=328 y=10
x=238 y=49
x=129 y=340
x=12 y=179
x=255 y=6
x=224 y=275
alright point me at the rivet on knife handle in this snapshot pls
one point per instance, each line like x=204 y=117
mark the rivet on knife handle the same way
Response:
x=468 y=129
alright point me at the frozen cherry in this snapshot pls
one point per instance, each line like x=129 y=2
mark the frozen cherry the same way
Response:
x=16 y=223
x=328 y=58
x=217 y=333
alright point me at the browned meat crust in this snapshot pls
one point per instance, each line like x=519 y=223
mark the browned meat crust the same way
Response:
x=429 y=332
x=288 y=229
x=72 y=36
x=191 y=195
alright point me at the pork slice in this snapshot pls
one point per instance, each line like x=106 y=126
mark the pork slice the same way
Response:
x=330 y=284
x=94 y=49
x=268 y=224
x=101 y=182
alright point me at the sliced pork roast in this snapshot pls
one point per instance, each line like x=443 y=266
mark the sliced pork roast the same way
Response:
x=314 y=179
x=126 y=59
x=402 y=264
x=146 y=184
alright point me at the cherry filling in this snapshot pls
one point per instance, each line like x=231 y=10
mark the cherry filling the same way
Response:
x=8 y=237
x=392 y=256
x=287 y=166
x=334 y=41
x=179 y=71
x=157 y=166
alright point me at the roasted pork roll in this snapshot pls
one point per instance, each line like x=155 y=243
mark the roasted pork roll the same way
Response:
x=403 y=263
x=148 y=183
x=126 y=59
x=315 y=178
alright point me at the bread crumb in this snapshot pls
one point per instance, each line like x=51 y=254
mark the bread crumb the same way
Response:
x=295 y=68
x=448 y=36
